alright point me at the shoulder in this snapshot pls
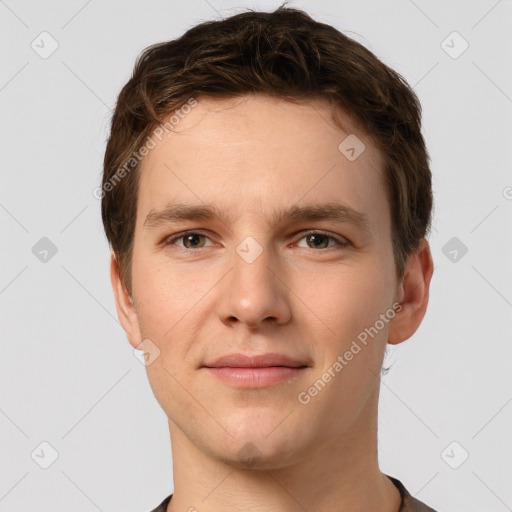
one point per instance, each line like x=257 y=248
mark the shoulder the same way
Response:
x=163 y=506
x=409 y=503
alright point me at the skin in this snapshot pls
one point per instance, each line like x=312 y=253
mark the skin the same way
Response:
x=251 y=157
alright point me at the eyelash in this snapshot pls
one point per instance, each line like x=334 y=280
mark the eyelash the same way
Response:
x=341 y=241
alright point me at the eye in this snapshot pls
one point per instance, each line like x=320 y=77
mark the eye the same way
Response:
x=312 y=240
x=320 y=240
x=189 y=240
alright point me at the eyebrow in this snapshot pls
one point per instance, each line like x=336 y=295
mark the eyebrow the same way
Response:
x=327 y=211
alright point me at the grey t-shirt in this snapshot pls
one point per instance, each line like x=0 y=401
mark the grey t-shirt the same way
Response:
x=409 y=504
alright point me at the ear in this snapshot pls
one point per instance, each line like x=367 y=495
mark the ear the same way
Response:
x=412 y=294
x=124 y=304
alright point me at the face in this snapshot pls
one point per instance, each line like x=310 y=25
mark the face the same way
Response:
x=262 y=261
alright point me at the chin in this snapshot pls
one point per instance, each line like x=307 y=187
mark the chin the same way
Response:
x=258 y=449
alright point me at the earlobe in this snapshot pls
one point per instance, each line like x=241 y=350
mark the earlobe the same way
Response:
x=414 y=294
x=124 y=304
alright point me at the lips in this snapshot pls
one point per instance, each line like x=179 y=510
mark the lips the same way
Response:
x=253 y=372
x=256 y=361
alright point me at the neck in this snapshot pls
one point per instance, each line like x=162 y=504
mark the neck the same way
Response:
x=342 y=474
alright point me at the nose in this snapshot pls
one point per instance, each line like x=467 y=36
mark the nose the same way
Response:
x=254 y=293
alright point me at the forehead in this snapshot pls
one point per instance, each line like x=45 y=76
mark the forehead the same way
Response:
x=255 y=153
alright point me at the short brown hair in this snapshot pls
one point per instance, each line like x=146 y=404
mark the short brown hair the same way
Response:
x=286 y=54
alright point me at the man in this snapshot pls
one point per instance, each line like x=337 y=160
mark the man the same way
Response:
x=267 y=196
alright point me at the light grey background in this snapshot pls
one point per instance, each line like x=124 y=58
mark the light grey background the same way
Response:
x=67 y=373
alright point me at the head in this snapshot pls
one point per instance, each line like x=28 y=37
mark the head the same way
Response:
x=292 y=160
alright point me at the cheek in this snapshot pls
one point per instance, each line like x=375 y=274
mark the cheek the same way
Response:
x=350 y=303
x=169 y=309
x=164 y=293
x=155 y=299
x=347 y=298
